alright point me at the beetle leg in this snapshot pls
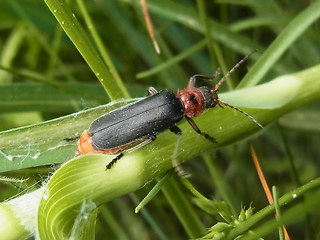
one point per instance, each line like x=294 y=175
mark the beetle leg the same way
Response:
x=194 y=78
x=175 y=163
x=195 y=127
x=145 y=142
x=178 y=132
x=71 y=139
x=152 y=91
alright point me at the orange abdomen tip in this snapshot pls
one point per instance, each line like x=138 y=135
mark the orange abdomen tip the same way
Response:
x=85 y=146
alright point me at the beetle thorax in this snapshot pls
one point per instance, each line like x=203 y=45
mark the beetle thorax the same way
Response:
x=196 y=100
x=192 y=100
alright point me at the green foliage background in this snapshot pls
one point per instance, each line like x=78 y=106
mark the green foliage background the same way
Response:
x=44 y=78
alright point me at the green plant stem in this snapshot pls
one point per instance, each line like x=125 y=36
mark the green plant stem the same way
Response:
x=249 y=23
x=294 y=170
x=222 y=185
x=278 y=213
x=10 y=49
x=300 y=210
x=18 y=216
x=205 y=22
x=192 y=189
x=174 y=11
x=153 y=192
x=73 y=29
x=51 y=82
x=54 y=60
x=295 y=28
x=154 y=225
x=115 y=226
x=85 y=177
x=213 y=47
x=30 y=146
x=72 y=183
x=40 y=39
x=295 y=176
x=104 y=53
x=173 y=60
x=183 y=209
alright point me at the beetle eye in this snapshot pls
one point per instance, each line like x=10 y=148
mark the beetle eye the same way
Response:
x=192 y=99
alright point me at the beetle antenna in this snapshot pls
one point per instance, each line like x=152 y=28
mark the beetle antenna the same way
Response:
x=239 y=110
x=216 y=74
x=232 y=70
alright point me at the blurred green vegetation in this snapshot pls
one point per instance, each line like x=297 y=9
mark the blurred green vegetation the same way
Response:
x=43 y=76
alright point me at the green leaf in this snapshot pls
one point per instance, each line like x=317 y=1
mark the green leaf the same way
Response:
x=307 y=120
x=47 y=143
x=215 y=207
x=284 y=41
x=68 y=21
x=45 y=98
x=85 y=177
x=85 y=222
x=283 y=90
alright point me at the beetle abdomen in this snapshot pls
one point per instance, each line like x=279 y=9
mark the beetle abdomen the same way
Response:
x=136 y=121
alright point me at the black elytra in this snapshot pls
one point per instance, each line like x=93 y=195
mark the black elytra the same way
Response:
x=139 y=123
x=139 y=120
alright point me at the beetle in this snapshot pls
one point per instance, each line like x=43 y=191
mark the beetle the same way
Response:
x=137 y=124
